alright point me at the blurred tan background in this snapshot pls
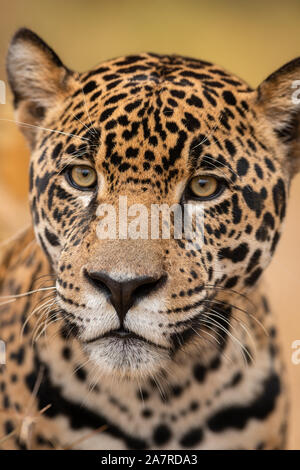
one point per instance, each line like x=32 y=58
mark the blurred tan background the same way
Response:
x=250 y=38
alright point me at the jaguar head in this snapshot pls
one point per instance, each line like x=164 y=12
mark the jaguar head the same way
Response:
x=125 y=157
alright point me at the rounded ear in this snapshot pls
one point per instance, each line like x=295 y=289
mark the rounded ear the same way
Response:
x=37 y=77
x=278 y=97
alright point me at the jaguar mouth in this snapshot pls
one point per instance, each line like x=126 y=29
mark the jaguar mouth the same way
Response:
x=121 y=333
x=124 y=335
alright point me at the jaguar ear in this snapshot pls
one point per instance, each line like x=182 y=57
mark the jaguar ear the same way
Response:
x=279 y=99
x=37 y=77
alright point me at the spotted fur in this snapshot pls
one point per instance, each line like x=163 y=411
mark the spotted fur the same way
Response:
x=204 y=368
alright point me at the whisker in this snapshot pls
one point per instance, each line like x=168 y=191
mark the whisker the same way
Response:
x=39 y=307
x=241 y=310
x=227 y=289
x=72 y=158
x=42 y=330
x=161 y=391
x=18 y=296
x=221 y=164
x=87 y=110
x=227 y=332
x=242 y=324
x=206 y=137
x=7 y=302
x=26 y=124
x=215 y=339
x=82 y=123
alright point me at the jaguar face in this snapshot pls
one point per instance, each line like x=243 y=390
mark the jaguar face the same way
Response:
x=153 y=130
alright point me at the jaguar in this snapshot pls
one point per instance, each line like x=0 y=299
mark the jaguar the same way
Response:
x=145 y=342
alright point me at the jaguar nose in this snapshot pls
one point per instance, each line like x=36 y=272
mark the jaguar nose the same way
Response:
x=123 y=294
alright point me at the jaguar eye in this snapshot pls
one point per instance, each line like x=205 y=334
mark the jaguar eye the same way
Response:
x=82 y=177
x=204 y=187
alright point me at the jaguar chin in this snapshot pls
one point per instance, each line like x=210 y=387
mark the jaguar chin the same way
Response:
x=125 y=355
